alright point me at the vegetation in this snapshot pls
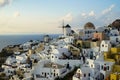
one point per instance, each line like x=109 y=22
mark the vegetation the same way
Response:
x=3 y=76
x=20 y=73
x=3 y=56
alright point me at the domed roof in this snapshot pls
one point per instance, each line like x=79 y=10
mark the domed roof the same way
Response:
x=89 y=25
x=116 y=23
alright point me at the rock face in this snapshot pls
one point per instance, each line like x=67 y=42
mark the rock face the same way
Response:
x=116 y=23
x=89 y=25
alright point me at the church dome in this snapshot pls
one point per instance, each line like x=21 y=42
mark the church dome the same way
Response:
x=116 y=23
x=89 y=25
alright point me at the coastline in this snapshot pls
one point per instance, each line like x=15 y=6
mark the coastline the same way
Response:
x=11 y=39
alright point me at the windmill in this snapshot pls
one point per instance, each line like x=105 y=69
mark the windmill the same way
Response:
x=62 y=27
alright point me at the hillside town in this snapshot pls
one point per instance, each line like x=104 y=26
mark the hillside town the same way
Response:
x=89 y=53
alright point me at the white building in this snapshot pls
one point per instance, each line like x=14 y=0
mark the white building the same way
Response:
x=91 y=53
x=69 y=39
x=86 y=34
x=48 y=70
x=89 y=33
x=46 y=38
x=102 y=69
x=84 y=73
x=115 y=40
x=59 y=53
x=67 y=30
x=105 y=46
x=114 y=32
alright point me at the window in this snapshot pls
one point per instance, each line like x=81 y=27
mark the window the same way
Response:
x=89 y=74
x=54 y=74
x=103 y=45
x=37 y=76
x=117 y=40
x=52 y=56
x=84 y=75
x=107 y=67
x=91 y=51
x=102 y=67
x=91 y=65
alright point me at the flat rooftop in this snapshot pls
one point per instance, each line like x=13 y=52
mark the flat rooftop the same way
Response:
x=51 y=65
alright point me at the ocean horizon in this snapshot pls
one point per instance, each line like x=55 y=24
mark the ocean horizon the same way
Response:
x=14 y=39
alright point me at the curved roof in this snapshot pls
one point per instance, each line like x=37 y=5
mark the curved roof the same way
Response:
x=116 y=23
x=89 y=25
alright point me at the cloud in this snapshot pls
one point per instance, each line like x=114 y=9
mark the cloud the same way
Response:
x=16 y=14
x=107 y=17
x=4 y=2
x=91 y=13
x=86 y=15
x=83 y=14
x=108 y=9
x=67 y=18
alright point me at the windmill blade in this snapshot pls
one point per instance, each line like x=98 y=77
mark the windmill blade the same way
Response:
x=62 y=26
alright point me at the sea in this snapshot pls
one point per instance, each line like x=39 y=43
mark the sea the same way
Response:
x=6 y=40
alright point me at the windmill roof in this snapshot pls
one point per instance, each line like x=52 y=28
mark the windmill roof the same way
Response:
x=67 y=26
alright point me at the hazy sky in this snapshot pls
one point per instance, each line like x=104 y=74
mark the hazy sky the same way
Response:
x=45 y=16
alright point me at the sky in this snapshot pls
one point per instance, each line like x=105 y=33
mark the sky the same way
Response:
x=46 y=16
